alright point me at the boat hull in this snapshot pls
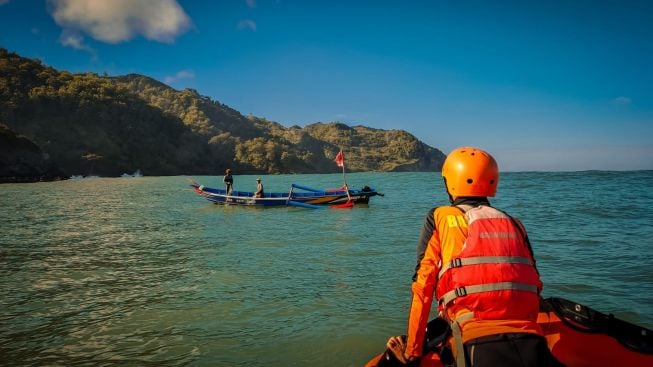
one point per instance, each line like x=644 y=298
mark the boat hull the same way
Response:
x=312 y=197
x=578 y=336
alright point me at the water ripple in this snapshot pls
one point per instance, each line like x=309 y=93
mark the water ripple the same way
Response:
x=143 y=272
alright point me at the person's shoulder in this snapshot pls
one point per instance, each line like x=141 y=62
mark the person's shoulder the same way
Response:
x=432 y=211
x=446 y=210
x=437 y=212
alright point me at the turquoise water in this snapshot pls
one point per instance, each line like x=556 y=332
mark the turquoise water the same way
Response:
x=141 y=271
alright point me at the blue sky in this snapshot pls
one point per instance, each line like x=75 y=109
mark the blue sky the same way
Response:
x=542 y=85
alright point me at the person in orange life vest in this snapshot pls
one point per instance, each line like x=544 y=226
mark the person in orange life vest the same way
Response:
x=479 y=264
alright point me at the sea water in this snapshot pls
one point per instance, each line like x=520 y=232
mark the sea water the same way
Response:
x=142 y=271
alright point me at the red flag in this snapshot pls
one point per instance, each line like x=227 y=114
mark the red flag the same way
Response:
x=340 y=160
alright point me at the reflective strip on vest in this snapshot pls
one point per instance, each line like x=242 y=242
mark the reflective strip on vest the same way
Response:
x=456 y=263
x=458 y=337
x=503 y=286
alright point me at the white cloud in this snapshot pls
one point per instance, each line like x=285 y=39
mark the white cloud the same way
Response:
x=247 y=24
x=621 y=100
x=3 y=2
x=251 y=3
x=117 y=21
x=76 y=41
x=183 y=74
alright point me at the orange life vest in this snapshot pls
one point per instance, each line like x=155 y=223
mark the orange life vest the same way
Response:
x=493 y=277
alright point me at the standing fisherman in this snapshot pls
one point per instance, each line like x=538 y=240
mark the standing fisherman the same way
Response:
x=228 y=181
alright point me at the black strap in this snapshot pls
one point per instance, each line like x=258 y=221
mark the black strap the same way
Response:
x=587 y=320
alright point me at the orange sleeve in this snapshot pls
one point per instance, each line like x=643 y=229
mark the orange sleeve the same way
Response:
x=423 y=286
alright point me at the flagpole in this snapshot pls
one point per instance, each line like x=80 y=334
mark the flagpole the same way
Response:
x=344 y=179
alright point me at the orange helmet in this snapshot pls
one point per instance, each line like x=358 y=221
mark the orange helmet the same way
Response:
x=470 y=171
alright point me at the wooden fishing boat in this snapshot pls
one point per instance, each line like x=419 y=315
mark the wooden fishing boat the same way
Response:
x=577 y=335
x=298 y=195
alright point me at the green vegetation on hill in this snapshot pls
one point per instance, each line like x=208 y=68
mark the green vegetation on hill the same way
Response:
x=135 y=122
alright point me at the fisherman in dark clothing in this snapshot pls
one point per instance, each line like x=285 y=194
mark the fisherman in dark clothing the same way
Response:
x=228 y=181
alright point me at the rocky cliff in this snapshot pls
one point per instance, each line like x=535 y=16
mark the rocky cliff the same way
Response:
x=23 y=161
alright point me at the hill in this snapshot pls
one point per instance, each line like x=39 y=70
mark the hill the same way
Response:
x=134 y=122
x=22 y=161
